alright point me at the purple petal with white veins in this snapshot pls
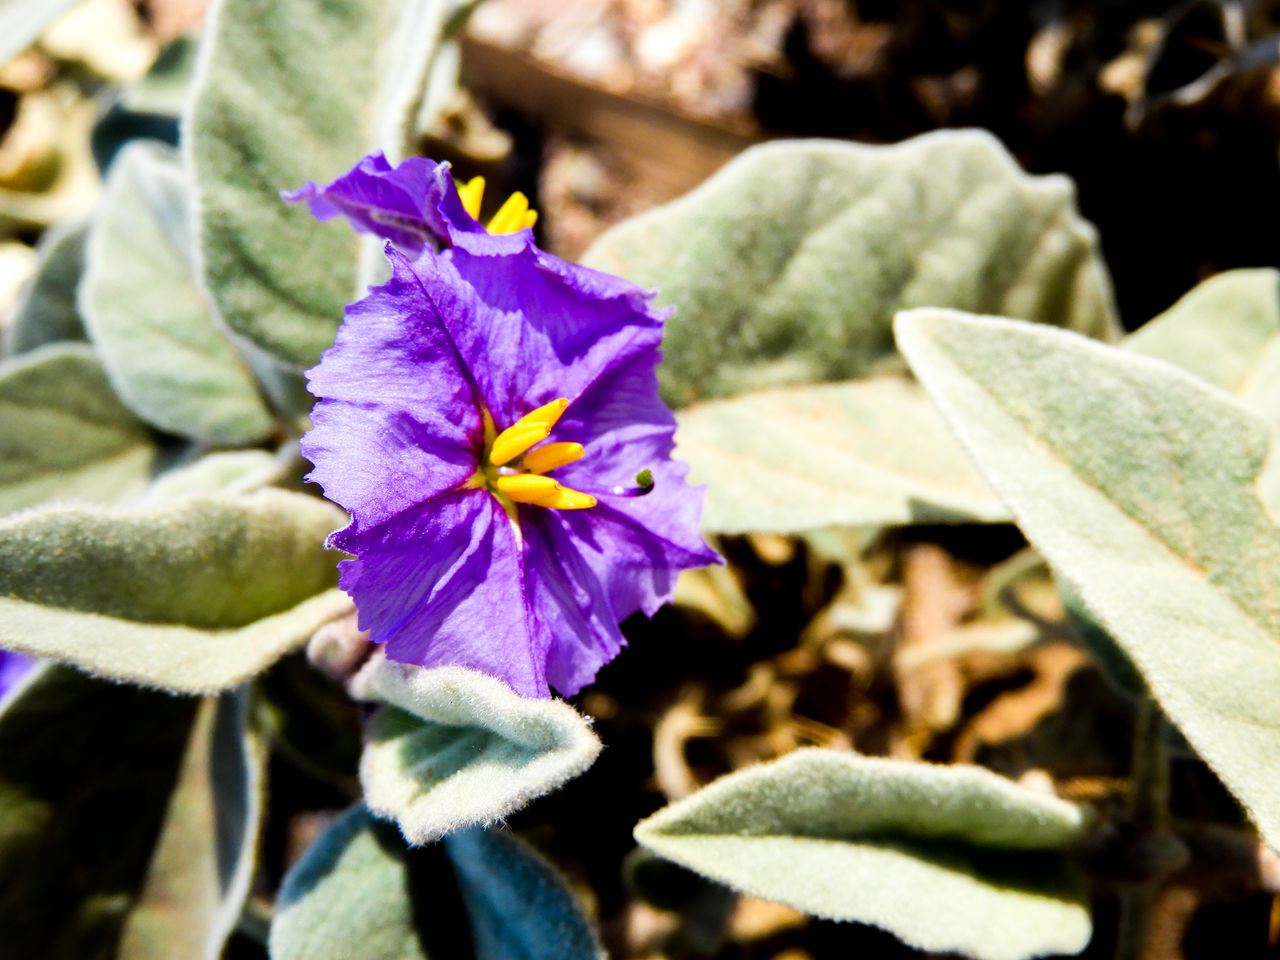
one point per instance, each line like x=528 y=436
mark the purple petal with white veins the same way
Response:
x=397 y=422
x=414 y=205
x=441 y=583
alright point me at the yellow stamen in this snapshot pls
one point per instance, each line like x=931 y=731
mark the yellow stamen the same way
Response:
x=512 y=215
x=548 y=413
x=543 y=492
x=551 y=456
x=471 y=194
x=515 y=440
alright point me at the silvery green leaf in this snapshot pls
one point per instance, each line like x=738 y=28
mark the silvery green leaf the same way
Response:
x=786 y=267
x=457 y=747
x=519 y=906
x=349 y=896
x=66 y=434
x=85 y=773
x=360 y=892
x=22 y=22
x=46 y=312
x=1226 y=330
x=158 y=338
x=233 y=471
x=1139 y=483
x=284 y=93
x=947 y=858
x=872 y=451
x=195 y=595
x=204 y=856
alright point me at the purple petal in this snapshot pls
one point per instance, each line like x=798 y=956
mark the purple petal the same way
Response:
x=414 y=205
x=532 y=328
x=397 y=421
x=13 y=667
x=441 y=584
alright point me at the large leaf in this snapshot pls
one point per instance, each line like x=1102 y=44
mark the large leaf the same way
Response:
x=85 y=773
x=359 y=892
x=204 y=858
x=22 y=22
x=1138 y=482
x=66 y=435
x=158 y=339
x=457 y=747
x=47 y=312
x=1226 y=330
x=196 y=595
x=864 y=452
x=286 y=92
x=947 y=858
x=787 y=266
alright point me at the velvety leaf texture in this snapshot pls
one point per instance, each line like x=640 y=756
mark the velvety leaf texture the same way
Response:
x=86 y=768
x=458 y=748
x=195 y=595
x=787 y=266
x=66 y=435
x=947 y=858
x=1226 y=330
x=871 y=451
x=1139 y=483
x=164 y=350
x=204 y=857
x=47 y=312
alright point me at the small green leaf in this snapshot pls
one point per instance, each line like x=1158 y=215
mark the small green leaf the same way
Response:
x=519 y=906
x=288 y=92
x=947 y=858
x=349 y=896
x=196 y=595
x=86 y=768
x=1139 y=483
x=865 y=452
x=66 y=435
x=158 y=339
x=47 y=312
x=787 y=266
x=458 y=747
x=233 y=471
x=204 y=858
x=1226 y=330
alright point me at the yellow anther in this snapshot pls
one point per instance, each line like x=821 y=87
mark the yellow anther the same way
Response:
x=543 y=492
x=471 y=194
x=551 y=456
x=548 y=413
x=515 y=440
x=513 y=215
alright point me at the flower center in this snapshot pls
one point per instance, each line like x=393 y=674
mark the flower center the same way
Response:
x=524 y=481
x=511 y=216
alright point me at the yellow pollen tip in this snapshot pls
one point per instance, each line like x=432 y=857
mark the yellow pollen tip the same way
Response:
x=548 y=413
x=515 y=440
x=471 y=194
x=551 y=456
x=512 y=215
x=543 y=492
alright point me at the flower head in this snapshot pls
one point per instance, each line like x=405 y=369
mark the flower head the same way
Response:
x=484 y=416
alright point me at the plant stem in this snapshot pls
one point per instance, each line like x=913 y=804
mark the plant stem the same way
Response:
x=1149 y=811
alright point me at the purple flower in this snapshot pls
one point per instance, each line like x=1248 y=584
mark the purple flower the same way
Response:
x=484 y=417
x=13 y=666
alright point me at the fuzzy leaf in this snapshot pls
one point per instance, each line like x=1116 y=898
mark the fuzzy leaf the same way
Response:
x=85 y=773
x=947 y=858
x=159 y=341
x=871 y=451
x=519 y=906
x=66 y=435
x=233 y=471
x=47 y=312
x=787 y=266
x=458 y=747
x=204 y=858
x=1226 y=330
x=1138 y=482
x=287 y=92
x=196 y=595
